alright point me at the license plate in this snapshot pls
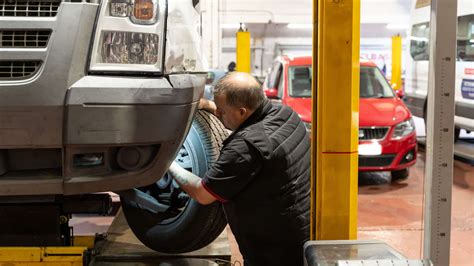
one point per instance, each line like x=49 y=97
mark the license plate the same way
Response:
x=370 y=149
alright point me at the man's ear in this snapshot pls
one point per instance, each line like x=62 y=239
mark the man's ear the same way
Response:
x=243 y=111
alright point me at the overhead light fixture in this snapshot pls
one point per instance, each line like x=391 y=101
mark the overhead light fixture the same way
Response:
x=231 y=25
x=397 y=26
x=299 y=26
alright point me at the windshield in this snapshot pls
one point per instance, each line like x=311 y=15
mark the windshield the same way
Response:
x=300 y=81
x=373 y=84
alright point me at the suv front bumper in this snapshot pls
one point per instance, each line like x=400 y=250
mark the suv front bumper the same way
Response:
x=104 y=115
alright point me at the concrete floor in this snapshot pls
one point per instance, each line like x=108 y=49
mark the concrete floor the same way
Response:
x=388 y=211
x=393 y=212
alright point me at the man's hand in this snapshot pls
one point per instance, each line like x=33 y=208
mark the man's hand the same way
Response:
x=207 y=105
x=191 y=184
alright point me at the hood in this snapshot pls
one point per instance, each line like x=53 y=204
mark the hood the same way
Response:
x=302 y=106
x=382 y=112
x=372 y=112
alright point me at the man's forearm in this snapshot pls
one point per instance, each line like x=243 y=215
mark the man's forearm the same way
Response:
x=186 y=180
x=190 y=183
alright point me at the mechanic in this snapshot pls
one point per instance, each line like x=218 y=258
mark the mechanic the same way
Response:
x=261 y=176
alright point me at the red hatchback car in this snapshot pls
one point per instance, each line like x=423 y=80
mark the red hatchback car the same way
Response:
x=387 y=137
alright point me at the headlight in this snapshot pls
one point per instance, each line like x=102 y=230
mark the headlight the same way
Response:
x=129 y=48
x=403 y=129
x=129 y=36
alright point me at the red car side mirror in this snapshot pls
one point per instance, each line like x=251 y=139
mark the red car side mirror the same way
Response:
x=271 y=93
x=400 y=93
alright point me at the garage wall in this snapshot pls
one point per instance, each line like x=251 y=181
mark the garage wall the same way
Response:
x=300 y=11
x=267 y=22
x=265 y=50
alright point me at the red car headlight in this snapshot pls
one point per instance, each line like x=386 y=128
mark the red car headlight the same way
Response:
x=403 y=129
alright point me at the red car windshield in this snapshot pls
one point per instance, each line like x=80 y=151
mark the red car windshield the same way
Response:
x=372 y=82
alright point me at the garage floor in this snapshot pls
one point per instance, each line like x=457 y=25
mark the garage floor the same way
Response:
x=391 y=212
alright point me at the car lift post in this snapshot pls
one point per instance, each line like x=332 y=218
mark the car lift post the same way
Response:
x=396 y=76
x=335 y=121
x=243 y=50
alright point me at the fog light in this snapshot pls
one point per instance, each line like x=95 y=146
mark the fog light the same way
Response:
x=88 y=160
x=409 y=156
x=134 y=158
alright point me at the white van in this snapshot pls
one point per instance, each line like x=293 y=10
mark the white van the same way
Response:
x=416 y=83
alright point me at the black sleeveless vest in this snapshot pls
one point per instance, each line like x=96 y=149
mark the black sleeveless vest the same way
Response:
x=270 y=217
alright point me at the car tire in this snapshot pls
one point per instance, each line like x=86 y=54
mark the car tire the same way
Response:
x=192 y=226
x=400 y=174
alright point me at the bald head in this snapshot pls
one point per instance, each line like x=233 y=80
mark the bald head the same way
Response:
x=240 y=90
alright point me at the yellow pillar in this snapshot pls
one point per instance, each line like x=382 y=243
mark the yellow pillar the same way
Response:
x=334 y=170
x=243 y=51
x=396 y=79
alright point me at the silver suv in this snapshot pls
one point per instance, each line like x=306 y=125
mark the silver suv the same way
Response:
x=99 y=96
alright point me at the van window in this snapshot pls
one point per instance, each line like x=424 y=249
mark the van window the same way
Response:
x=419 y=47
x=299 y=82
x=465 y=38
x=420 y=35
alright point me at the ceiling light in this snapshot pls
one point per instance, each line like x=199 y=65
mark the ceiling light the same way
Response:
x=397 y=26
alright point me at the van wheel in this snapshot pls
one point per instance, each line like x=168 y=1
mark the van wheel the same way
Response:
x=186 y=225
x=400 y=174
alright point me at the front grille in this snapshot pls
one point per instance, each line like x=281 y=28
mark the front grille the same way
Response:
x=376 y=161
x=14 y=70
x=29 y=8
x=24 y=39
x=372 y=133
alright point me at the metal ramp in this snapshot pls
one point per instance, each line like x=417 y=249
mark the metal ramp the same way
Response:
x=121 y=247
x=464 y=148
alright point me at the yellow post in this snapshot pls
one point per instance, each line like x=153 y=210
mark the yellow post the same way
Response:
x=243 y=51
x=396 y=79
x=336 y=118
